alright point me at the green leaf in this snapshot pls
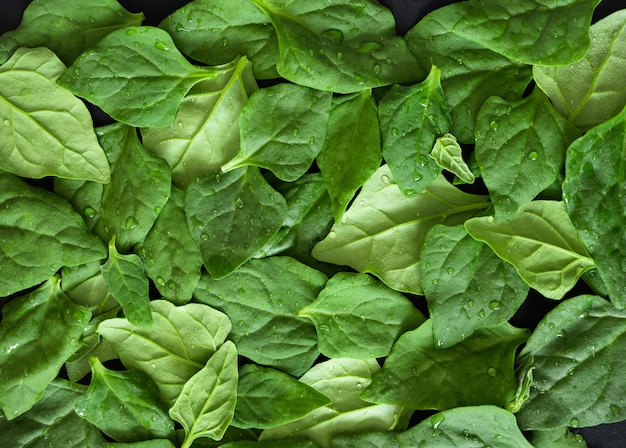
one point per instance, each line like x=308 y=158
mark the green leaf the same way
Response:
x=126 y=280
x=520 y=149
x=124 y=405
x=449 y=155
x=217 y=31
x=419 y=375
x=411 y=120
x=136 y=75
x=352 y=152
x=232 y=216
x=542 y=244
x=206 y=404
x=175 y=348
x=578 y=346
x=388 y=439
x=357 y=316
x=139 y=189
x=66 y=28
x=36 y=114
x=170 y=255
x=39 y=234
x=32 y=355
x=262 y=298
x=469 y=427
x=470 y=73
x=594 y=192
x=343 y=46
x=282 y=443
x=286 y=141
x=382 y=232
x=205 y=133
x=467 y=286
x=267 y=398
x=557 y=438
x=156 y=443
x=589 y=92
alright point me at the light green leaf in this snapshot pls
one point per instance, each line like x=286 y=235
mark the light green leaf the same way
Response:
x=36 y=113
x=419 y=375
x=205 y=134
x=352 y=152
x=136 y=75
x=343 y=46
x=126 y=280
x=590 y=91
x=262 y=298
x=175 y=348
x=124 y=405
x=267 y=398
x=467 y=427
x=357 y=316
x=67 y=28
x=217 y=31
x=520 y=149
x=206 y=404
x=232 y=216
x=578 y=346
x=594 y=193
x=542 y=244
x=286 y=141
x=467 y=286
x=411 y=119
x=39 y=234
x=557 y=438
x=383 y=231
x=32 y=355
x=448 y=154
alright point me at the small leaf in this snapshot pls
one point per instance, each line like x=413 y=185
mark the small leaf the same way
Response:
x=449 y=156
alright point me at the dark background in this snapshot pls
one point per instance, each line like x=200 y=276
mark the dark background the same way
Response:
x=407 y=13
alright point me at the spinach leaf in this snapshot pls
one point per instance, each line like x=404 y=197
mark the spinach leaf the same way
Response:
x=206 y=404
x=593 y=191
x=388 y=439
x=342 y=46
x=411 y=119
x=557 y=438
x=449 y=155
x=30 y=358
x=356 y=316
x=588 y=92
x=576 y=347
x=419 y=375
x=124 y=405
x=217 y=31
x=287 y=140
x=383 y=231
x=541 y=242
x=467 y=286
x=136 y=75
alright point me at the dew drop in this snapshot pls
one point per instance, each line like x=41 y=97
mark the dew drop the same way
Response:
x=308 y=68
x=89 y=212
x=450 y=270
x=224 y=42
x=437 y=419
x=7 y=122
x=131 y=223
x=160 y=281
x=239 y=203
x=495 y=305
x=615 y=409
x=339 y=55
x=77 y=72
x=92 y=20
x=158 y=209
x=295 y=132
x=470 y=303
x=377 y=68
x=533 y=155
x=435 y=281
x=368 y=47
x=492 y=372
x=493 y=125
x=325 y=328
x=333 y=34
x=204 y=237
x=312 y=140
x=481 y=313
x=160 y=45
x=131 y=31
x=574 y=423
x=385 y=179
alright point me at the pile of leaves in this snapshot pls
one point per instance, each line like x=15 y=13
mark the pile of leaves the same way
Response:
x=240 y=257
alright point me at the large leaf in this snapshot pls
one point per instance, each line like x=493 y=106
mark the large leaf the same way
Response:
x=542 y=244
x=590 y=91
x=262 y=298
x=124 y=405
x=206 y=404
x=478 y=370
x=383 y=231
x=467 y=286
x=205 y=134
x=136 y=75
x=67 y=28
x=595 y=195
x=577 y=347
x=342 y=46
x=357 y=316
x=40 y=233
x=217 y=31
x=37 y=113
x=32 y=355
x=517 y=160
x=175 y=348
